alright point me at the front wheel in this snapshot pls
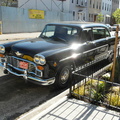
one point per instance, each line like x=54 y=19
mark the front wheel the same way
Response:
x=63 y=77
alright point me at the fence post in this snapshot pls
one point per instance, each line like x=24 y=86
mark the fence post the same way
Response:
x=0 y=27
x=115 y=53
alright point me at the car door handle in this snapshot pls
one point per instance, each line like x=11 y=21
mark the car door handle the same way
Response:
x=90 y=42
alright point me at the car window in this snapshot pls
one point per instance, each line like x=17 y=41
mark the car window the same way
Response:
x=100 y=32
x=61 y=32
x=107 y=33
x=49 y=31
x=86 y=35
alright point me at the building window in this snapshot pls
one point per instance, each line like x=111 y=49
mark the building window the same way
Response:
x=73 y=15
x=93 y=5
x=84 y=16
x=72 y=1
x=108 y=7
x=82 y=2
x=100 y=6
x=77 y=1
x=97 y=5
x=103 y=6
x=90 y=2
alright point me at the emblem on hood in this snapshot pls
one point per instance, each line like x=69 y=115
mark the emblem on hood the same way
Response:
x=19 y=54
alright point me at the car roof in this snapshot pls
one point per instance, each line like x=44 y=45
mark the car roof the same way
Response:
x=79 y=24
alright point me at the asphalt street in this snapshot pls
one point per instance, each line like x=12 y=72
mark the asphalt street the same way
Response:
x=18 y=97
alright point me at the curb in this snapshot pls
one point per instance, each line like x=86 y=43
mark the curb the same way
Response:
x=13 y=39
x=36 y=111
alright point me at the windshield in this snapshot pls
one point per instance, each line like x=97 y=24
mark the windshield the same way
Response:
x=60 y=33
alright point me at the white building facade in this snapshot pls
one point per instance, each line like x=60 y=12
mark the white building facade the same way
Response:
x=94 y=8
x=78 y=8
x=81 y=10
x=106 y=10
x=46 y=5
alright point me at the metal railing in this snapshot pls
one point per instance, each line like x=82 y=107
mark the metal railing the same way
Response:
x=93 y=85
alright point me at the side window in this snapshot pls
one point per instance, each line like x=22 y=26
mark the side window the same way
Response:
x=49 y=31
x=107 y=33
x=99 y=33
x=86 y=35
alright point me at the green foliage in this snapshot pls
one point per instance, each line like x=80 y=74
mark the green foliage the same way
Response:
x=93 y=88
x=106 y=76
x=6 y=2
x=100 y=18
x=116 y=15
x=113 y=99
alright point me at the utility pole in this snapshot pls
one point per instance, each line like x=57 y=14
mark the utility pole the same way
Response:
x=36 y=4
x=62 y=4
x=115 y=53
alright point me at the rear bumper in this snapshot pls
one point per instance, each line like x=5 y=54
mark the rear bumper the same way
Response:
x=7 y=68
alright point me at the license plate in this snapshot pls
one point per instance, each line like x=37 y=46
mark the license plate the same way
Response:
x=23 y=65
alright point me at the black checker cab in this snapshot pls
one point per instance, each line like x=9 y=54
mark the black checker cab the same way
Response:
x=50 y=58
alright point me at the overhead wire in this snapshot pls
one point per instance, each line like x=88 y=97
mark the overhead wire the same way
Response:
x=56 y=4
x=44 y=4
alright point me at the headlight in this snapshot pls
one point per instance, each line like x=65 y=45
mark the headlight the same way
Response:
x=40 y=59
x=2 y=49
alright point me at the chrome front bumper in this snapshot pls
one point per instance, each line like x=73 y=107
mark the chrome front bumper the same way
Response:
x=24 y=73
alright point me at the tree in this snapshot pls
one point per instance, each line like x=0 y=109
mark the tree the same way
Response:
x=7 y=2
x=116 y=16
x=100 y=17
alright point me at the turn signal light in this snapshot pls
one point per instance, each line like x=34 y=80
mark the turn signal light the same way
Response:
x=40 y=67
x=55 y=64
x=1 y=55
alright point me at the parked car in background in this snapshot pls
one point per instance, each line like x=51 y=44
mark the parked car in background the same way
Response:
x=113 y=30
x=61 y=47
x=109 y=26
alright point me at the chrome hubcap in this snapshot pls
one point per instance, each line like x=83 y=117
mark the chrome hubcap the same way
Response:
x=65 y=75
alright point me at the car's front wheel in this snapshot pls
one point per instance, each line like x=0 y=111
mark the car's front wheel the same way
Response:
x=63 y=77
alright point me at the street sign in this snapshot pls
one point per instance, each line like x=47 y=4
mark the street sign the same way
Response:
x=36 y=14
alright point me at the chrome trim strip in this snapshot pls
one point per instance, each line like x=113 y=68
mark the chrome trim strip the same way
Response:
x=9 y=70
x=49 y=81
x=41 y=81
x=78 y=54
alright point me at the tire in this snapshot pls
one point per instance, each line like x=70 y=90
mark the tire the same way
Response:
x=63 y=77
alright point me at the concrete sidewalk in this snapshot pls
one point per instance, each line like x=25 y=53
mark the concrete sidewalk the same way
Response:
x=18 y=36
x=63 y=108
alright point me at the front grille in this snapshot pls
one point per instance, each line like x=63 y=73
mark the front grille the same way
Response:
x=14 y=61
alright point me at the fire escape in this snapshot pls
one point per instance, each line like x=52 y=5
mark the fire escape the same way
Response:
x=82 y=5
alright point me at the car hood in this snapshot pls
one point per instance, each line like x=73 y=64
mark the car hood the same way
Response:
x=38 y=45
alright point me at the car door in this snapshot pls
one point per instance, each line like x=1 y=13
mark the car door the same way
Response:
x=100 y=42
x=86 y=50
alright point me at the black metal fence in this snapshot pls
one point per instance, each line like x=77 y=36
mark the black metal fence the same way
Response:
x=93 y=84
